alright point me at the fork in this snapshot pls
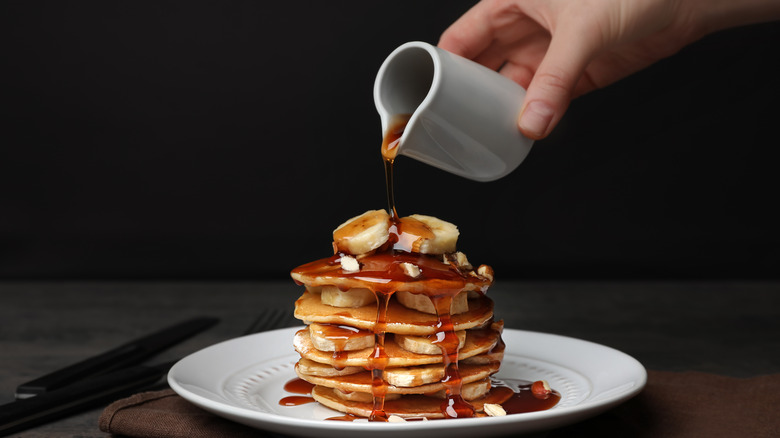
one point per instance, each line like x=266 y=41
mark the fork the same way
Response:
x=268 y=319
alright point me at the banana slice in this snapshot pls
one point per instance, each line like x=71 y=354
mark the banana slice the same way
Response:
x=424 y=345
x=363 y=233
x=312 y=368
x=414 y=376
x=445 y=235
x=334 y=337
x=469 y=391
x=355 y=297
x=364 y=397
x=423 y=303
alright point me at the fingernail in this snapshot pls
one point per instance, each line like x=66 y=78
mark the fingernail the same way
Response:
x=535 y=119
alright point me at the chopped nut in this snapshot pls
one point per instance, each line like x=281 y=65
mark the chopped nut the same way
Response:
x=411 y=269
x=494 y=410
x=462 y=261
x=541 y=389
x=395 y=419
x=485 y=271
x=349 y=264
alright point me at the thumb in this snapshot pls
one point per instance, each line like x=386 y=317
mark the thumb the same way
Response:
x=552 y=86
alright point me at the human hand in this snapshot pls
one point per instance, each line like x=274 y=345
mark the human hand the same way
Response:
x=561 y=49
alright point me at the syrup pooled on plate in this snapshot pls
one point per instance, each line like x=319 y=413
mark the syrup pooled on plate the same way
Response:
x=297 y=386
x=399 y=325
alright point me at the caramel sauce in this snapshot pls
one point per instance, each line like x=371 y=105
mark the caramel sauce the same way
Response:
x=454 y=406
x=378 y=360
x=382 y=273
x=297 y=386
x=389 y=150
x=520 y=400
x=296 y=400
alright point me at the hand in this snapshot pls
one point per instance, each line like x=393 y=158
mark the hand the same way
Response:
x=561 y=49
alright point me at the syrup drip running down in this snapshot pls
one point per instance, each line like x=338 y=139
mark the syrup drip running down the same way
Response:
x=378 y=360
x=453 y=406
x=406 y=236
x=390 y=143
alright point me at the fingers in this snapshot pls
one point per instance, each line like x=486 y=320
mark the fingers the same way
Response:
x=514 y=36
x=551 y=89
x=483 y=33
x=470 y=34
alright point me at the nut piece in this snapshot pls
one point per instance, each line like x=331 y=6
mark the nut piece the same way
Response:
x=395 y=419
x=462 y=261
x=458 y=259
x=349 y=264
x=485 y=271
x=541 y=389
x=494 y=410
x=410 y=269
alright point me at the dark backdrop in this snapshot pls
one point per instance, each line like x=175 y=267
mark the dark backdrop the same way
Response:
x=226 y=140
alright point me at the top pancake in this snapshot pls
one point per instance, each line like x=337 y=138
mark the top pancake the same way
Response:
x=384 y=273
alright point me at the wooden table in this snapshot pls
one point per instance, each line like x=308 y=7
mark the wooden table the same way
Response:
x=730 y=328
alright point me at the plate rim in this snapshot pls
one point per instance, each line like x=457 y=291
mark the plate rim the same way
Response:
x=279 y=423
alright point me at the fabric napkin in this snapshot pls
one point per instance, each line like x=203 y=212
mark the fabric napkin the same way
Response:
x=673 y=404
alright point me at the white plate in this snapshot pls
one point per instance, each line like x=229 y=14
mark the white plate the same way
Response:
x=242 y=380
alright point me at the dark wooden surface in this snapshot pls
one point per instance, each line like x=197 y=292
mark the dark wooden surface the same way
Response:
x=730 y=328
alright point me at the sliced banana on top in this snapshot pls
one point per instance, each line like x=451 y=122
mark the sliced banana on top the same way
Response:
x=355 y=297
x=423 y=303
x=366 y=232
x=445 y=235
x=363 y=233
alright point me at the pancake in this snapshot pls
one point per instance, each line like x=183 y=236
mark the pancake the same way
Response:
x=399 y=319
x=362 y=381
x=478 y=341
x=407 y=406
x=376 y=268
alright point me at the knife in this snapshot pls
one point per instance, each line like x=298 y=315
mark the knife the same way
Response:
x=131 y=353
x=75 y=397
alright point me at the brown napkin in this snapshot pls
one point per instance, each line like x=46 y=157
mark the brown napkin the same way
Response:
x=165 y=414
x=691 y=404
x=687 y=404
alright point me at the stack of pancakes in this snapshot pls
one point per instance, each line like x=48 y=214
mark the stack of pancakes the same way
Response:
x=397 y=333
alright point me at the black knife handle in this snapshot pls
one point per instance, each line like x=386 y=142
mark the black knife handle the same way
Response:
x=118 y=357
x=23 y=414
x=129 y=354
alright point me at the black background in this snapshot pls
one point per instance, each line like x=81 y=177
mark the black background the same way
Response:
x=226 y=140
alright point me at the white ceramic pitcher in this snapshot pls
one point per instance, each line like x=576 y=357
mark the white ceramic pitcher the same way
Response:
x=463 y=115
